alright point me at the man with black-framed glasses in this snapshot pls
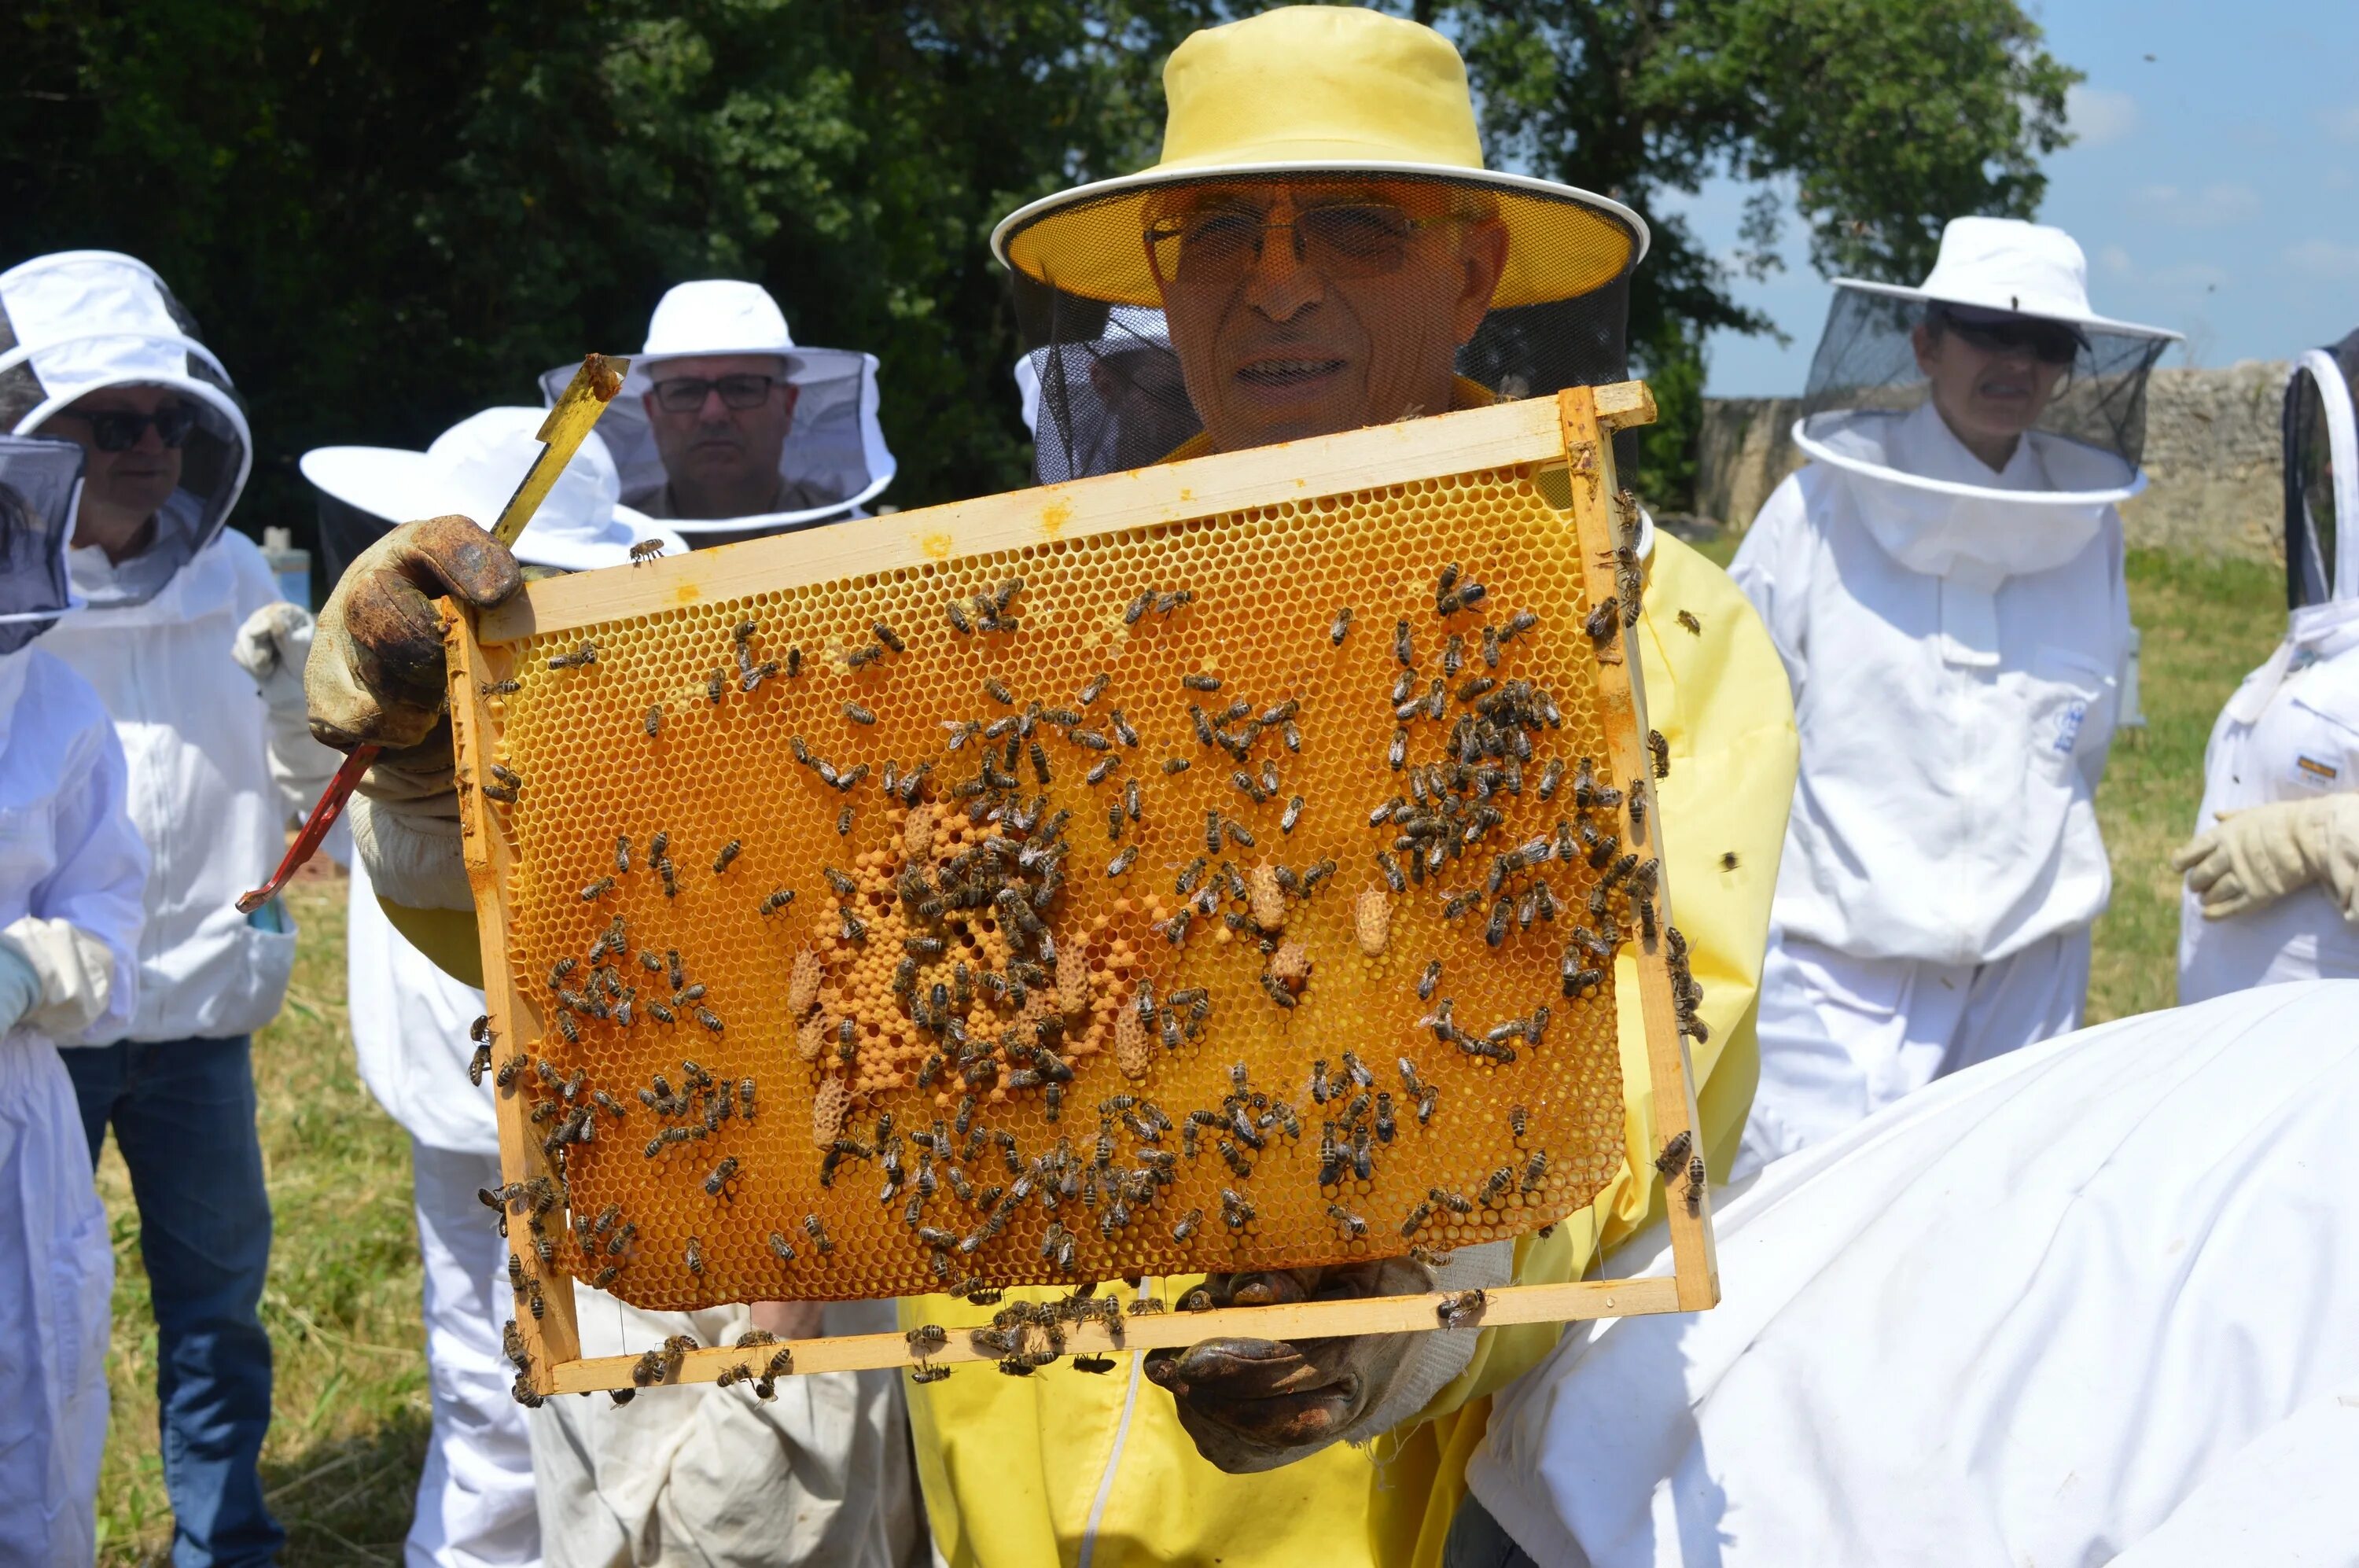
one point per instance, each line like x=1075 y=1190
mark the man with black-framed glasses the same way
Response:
x=728 y=430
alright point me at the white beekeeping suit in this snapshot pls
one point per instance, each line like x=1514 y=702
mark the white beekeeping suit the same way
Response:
x=833 y=460
x=410 y=1022
x=2272 y=890
x=2083 y=1304
x=1944 y=584
x=221 y=768
x=71 y=868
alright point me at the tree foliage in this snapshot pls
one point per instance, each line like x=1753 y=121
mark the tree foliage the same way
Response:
x=387 y=215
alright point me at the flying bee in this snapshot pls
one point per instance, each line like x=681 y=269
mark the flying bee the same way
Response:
x=1694 y=628
x=1338 y=628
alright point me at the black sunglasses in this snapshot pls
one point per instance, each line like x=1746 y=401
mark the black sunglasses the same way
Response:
x=2050 y=342
x=119 y=430
x=686 y=395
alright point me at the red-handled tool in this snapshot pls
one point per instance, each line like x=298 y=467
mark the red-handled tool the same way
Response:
x=585 y=398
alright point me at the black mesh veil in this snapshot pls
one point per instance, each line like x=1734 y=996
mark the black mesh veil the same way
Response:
x=2322 y=469
x=1866 y=365
x=1110 y=391
x=39 y=479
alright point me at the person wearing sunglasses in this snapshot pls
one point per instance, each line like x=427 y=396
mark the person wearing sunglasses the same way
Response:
x=728 y=430
x=1943 y=580
x=181 y=631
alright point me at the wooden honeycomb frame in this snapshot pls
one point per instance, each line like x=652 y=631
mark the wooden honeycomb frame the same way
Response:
x=1573 y=430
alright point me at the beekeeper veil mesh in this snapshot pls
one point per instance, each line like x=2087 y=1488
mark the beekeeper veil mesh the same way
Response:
x=41 y=479
x=78 y=322
x=1094 y=280
x=2322 y=475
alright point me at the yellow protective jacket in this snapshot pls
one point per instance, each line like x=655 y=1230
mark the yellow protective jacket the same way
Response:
x=1021 y=1472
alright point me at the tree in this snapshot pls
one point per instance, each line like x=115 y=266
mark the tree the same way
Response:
x=387 y=215
x=1885 y=120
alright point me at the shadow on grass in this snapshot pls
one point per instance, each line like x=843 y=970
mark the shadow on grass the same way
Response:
x=348 y=1498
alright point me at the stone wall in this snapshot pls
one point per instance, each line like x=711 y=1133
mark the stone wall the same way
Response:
x=2211 y=451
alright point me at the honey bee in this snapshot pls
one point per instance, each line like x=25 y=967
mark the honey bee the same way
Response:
x=959 y=621
x=1175 y=765
x=654 y=721
x=721 y=1176
x=1397 y=751
x=1694 y=628
x=888 y=637
x=598 y=889
x=714 y=686
x=1695 y=1186
x=1662 y=750
x=729 y=851
x=1463 y=1308
x=1137 y=607
x=1121 y=863
x=1339 y=627
x=1200 y=683
x=996 y=689
x=1728 y=861
x=794 y=662
x=1121 y=727
x=1189 y=1224
x=499 y=688
x=1238 y=833
x=648 y=1369
x=1167 y=603
x=818 y=1233
x=695 y=1257
x=1602 y=622
x=1403 y=649
x=708 y=1019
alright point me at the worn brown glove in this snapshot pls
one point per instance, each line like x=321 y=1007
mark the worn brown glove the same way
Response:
x=376 y=674
x=1256 y=1404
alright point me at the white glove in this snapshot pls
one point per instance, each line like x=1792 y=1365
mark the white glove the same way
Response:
x=272 y=647
x=2257 y=857
x=410 y=850
x=75 y=970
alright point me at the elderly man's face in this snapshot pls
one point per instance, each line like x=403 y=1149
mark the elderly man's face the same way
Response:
x=1301 y=309
x=711 y=449
x=127 y=479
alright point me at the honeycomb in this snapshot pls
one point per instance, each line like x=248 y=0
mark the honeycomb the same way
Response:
x=1093 y=964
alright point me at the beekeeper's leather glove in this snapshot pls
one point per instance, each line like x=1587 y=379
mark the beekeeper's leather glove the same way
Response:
x=376 y=674
x=1256 y=1404
x=2255 y=856
x=72 y=974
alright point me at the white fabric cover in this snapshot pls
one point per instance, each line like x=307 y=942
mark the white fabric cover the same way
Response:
x=2291 y=732
x=1841 y=1037
x=822 y=1475
x=2030 y=1315
x=476 y=1506
x=198 y=738
x=835 y=444
x=474 y=468
x=409 y=1024
x=69 y=853
x=89 y=319
x=1953 y=728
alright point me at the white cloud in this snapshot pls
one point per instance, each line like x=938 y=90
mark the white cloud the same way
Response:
x=2216 y=205
x=2116 y=262
x=2099 y=115
x=2342 y=124
x=2325 y=259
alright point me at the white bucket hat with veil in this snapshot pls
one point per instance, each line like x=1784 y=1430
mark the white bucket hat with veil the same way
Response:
x=40 y=487
x=1867 y=409
x=472 y=469
x=834 y=448
x=76 y=321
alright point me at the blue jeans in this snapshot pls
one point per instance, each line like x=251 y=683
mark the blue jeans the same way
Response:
x=183 y=1115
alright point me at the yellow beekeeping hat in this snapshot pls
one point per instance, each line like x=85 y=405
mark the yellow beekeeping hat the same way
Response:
x=1319 y=89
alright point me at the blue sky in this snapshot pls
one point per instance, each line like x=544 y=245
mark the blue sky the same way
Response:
x=2215 y=187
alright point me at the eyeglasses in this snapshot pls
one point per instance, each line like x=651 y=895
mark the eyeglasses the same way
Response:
x=686 y=395
x=1219 y=245
x=119 y=430
x=2050 y=342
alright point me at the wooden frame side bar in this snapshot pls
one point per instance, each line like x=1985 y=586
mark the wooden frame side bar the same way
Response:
x=1621 y=682
x=550 y=1337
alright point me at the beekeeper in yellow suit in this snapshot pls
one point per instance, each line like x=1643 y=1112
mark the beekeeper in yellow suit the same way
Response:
x=1330 y=253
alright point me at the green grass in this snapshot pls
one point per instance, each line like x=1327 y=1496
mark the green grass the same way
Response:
x=341 y=1305
x=343 y=1458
